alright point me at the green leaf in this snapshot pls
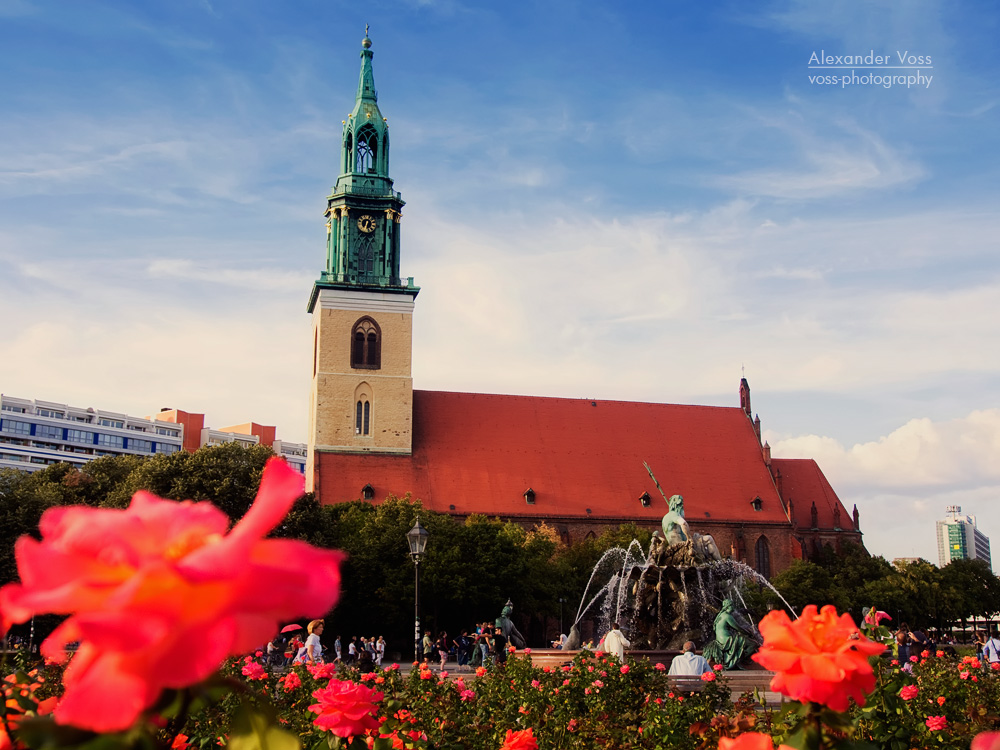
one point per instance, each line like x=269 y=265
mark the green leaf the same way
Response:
x=253 y=730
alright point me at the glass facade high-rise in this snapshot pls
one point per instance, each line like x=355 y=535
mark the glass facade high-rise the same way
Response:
x=959 y=539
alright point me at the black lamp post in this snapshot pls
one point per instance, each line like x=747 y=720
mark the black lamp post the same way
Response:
x=561 y=600
x=417 y=539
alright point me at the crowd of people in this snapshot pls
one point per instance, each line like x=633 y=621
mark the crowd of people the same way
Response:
x=287 y=649
x=486 y=645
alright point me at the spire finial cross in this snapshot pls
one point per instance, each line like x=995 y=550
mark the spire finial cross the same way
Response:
x=366 y=29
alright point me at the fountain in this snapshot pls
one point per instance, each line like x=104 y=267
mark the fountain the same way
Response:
x=680 y=589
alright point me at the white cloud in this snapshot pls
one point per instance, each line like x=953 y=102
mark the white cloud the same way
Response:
x=832 y=164
x=958 y=453
x=903 y=481
x=258 y=279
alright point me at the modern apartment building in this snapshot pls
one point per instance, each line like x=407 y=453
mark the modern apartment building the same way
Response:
x=35 y=434
x=959 y=539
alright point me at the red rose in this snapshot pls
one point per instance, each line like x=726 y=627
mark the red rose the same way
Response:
x=909 y=692
x=747 y=741
x=523 y=740
x=821 y=657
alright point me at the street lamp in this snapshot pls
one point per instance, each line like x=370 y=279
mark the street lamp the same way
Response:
x=417 y=539
x=561 y=600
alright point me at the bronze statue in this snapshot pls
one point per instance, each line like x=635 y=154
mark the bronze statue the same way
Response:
x=732 y=643
x=508 y=628
x=677 y=531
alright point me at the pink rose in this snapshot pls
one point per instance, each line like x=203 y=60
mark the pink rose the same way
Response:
x=159 y=594
x=624 y=669
x=986 y=741
x=909 y=692
x=708 y=677
x=322 y=671
x=936 y=723
x=468 y=695
x=254 y=671
x=660 y=666
x=345 y=708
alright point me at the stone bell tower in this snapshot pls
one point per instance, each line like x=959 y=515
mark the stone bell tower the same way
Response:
x=361 y=397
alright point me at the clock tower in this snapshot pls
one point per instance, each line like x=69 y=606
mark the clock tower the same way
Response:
x=361 y=399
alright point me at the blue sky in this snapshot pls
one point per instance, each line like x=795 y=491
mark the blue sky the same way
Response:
x=607 y=200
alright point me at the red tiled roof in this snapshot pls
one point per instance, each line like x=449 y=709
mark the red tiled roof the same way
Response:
x=803 y=482
x=481 y=452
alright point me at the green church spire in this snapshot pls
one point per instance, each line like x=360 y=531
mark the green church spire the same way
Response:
x=366 y=82
x=363 y=212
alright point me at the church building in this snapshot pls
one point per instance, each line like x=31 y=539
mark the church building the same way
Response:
x=574 y=464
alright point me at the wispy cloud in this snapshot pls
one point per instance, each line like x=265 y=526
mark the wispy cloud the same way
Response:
x=841 y=162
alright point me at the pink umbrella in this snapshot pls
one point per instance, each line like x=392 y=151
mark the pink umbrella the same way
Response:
x=290 y=628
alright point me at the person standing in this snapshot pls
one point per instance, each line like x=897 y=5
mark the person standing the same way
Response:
x=991 y=649
x=499 y=647
x=312 y=651
x=442 y=647
x=461 y=650
x=689 y=663
x=615 y=642
x=485 y=642
x=352 y=650
x=336 y=649
x=428 y=646
x=379 y=650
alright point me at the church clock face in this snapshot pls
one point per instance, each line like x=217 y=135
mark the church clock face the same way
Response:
x=366 y=224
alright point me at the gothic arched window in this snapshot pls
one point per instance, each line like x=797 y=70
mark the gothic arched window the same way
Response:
x=762 y=555
x=367 y=150
x=366 y=345
x=366 y=256
x=348 y=153
x=363 y=417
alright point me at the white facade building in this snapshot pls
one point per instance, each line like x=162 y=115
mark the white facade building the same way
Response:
x=959 y=539
x=35 y=434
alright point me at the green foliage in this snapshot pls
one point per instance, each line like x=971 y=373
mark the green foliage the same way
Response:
x=471 y=568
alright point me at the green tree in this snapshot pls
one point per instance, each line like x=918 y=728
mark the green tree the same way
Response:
x=974 y=590
x=806 y=582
